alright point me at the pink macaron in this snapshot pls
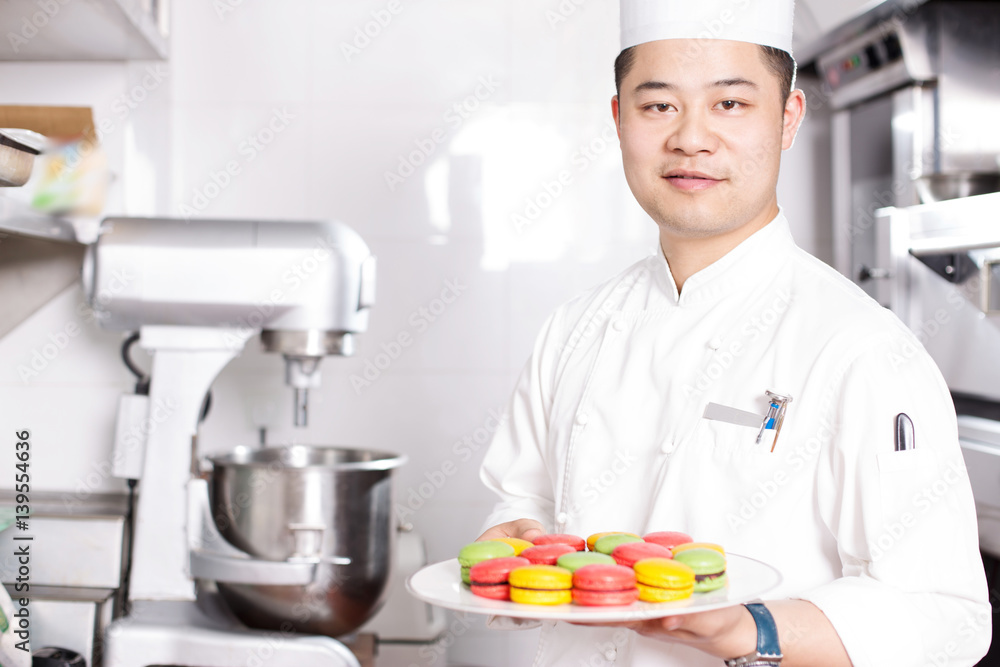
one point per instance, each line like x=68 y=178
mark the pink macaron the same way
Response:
x=668 y=539
x=627 y=554
x=546 y=554
x=604 y=585
x=574 y=541
x=489 y=577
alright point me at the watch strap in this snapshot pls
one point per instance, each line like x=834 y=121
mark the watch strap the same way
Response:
x=768 y=651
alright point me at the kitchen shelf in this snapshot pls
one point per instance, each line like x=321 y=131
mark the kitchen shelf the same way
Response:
x=18 y=218
x=61 y=30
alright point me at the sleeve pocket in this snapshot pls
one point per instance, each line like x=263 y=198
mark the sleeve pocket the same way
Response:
x=905 y=540
x=902 y=477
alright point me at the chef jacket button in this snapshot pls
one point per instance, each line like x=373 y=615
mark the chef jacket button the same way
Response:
x=582 y=419
x=611 y=654
x=562 y=518
x=618 y=325
x=715 y=343
x=668 y=447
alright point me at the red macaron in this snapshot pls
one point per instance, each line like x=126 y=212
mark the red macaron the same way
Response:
x=627 y=554
x=546 y=554
x=604 y=585
x=489 y=577
x=668 y=539
x=574 y=541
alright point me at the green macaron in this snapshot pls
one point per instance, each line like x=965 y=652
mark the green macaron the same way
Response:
x=574 y=561
x=709 y=568
x=607 y=544
x=480 y=551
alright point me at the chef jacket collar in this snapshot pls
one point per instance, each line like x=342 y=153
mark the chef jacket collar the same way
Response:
x=743 y=268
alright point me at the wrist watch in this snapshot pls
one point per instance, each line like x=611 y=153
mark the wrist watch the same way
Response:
x=768 y=653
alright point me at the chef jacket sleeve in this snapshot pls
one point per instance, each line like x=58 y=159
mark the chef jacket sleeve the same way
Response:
x=913 y=590
x=515 y=465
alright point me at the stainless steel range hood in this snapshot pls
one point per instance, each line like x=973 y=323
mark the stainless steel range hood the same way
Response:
x=821 y=24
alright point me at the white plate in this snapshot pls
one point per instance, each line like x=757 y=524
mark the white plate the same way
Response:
x=441 y=584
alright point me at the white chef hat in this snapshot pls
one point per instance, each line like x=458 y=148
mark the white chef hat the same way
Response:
x=765 y=22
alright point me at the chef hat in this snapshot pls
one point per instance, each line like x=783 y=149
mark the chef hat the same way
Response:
x=765 y=22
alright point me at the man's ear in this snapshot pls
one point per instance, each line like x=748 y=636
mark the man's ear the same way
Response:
x=795 y=111
x=616 y=114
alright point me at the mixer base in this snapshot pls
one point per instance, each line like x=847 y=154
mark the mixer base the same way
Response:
x=204 y=634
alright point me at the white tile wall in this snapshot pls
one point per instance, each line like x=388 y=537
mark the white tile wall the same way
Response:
x=544 y=81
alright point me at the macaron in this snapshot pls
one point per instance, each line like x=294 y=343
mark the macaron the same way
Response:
x=518 y=544
x=709 y=568
x=604 y=585
x=630 y=553
x=574 y=541
x=663 y=580
x=608 y=543
x=541 y=584
x=591 y=540
x=488 y=578
x=546 y=554
x=668 y=538
x=480 y=551
x=577 y=559
x=697 y=545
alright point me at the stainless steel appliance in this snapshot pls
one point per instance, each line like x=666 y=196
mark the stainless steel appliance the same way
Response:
x=197 y=292
x=943 y=266
x=916 y=99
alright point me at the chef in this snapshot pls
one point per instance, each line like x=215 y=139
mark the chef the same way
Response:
x=736 y=388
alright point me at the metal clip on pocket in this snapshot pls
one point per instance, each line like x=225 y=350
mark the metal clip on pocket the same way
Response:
x=774 y=417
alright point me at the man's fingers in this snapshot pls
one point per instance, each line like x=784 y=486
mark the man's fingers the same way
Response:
x=525 y=529
x=531 y=533
x=671 y=623
x=493 y=533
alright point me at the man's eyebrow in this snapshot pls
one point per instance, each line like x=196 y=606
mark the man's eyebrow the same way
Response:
x=735 y=81
x=654 y=85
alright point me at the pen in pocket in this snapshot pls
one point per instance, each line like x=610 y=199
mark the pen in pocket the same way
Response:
x=775 y=416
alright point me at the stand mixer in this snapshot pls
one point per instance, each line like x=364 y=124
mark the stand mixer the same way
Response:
x=196 y=292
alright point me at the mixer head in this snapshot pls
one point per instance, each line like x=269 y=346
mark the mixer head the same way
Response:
x=306 y=286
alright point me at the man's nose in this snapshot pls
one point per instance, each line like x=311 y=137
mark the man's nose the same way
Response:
x=692 y=134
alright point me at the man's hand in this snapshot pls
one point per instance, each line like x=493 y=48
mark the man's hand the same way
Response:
x=807 y=637
x=724 y=633
x=525 y=529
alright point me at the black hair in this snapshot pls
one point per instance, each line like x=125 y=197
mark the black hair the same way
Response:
x=779 y=62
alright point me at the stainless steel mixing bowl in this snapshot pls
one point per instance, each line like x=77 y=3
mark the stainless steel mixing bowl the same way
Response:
x=283 y=502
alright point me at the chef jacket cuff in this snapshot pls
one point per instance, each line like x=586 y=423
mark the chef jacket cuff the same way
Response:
x=880 y=625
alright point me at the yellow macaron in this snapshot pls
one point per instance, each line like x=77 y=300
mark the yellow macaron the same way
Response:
x=541 y=584
x=663 y=580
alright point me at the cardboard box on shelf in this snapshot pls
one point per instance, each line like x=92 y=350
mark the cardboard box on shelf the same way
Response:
x=64 y=123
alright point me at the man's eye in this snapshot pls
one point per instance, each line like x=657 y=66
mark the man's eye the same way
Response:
x=729 y=105
x=659 y=107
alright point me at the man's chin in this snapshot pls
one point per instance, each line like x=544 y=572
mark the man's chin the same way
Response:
x=694 y=230
x=688 y=222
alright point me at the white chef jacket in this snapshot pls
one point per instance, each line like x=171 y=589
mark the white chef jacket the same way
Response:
x=605 y=431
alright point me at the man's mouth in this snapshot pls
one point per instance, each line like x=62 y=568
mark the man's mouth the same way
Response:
x=690 y=180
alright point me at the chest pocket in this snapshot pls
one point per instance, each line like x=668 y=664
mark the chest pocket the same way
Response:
x=732 y=451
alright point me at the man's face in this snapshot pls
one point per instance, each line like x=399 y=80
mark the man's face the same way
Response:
x=701 y=137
